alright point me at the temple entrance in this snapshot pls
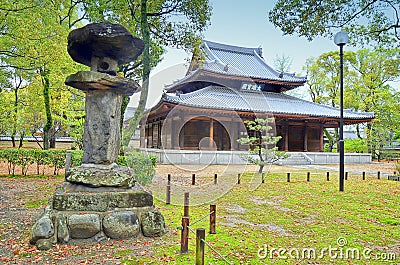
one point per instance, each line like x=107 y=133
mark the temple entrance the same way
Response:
x=204 y=133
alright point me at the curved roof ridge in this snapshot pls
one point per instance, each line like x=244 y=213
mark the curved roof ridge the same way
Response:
x=209 y=52
x=232 y=48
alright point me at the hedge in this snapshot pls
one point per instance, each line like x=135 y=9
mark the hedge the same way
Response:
x=143 y=165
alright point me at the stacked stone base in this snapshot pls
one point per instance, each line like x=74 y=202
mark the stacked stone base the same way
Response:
x=78 y=212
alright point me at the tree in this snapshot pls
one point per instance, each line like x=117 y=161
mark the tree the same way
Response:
x=33 y=41
x=282 y=63
x=262 y=143
x=366 y=77
x=371 y=92
x=368 y=22
x=159 y=23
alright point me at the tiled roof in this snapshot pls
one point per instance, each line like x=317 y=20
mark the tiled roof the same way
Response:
x=242 y=61
x=213 y=97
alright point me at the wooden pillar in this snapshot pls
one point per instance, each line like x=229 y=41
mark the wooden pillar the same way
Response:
x=286 y=126
x=211 y=135
x=173 y=134
x=321 y=138
x=231 y=135
x=305 y=147
x=181 y=134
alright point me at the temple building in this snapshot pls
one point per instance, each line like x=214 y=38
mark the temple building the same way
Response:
x=227 y=85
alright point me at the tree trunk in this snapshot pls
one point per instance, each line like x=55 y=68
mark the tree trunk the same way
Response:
x=52 y=138
x=14 y=130
x=260 y=169
x=124 y=106
x=21 y=139
x=145 y=32
x=49 y=119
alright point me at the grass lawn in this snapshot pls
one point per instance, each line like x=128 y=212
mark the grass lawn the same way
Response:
x=358 y=226
x=271 y=223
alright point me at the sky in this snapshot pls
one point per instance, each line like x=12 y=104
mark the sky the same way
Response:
x=241 y=23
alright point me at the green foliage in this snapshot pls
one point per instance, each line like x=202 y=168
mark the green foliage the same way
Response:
x=355 y=146
x=367 y=22
x=367 y=74
x=390 y=155
x=262 y=146
x=26 y=157
x=143 y=165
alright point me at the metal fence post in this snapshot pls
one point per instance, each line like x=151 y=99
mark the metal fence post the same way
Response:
x=193 y=179
x=308 y=176
x=215 y=179
x=288 y=177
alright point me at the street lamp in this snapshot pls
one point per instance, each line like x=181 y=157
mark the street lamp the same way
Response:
x=341 y=38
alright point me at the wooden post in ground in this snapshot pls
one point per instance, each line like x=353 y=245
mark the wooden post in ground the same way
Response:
x=215 y=179
x=327 y=176
x=200 y=237
x=185 y=235
x=263 y=178
x=168 y=195
x=213 y=218
x=288 y=177
x=346 y=175
x=238 y=182
x=193 y=179
x=363 y=175
x=379 y=175
x=308 y=176
x=186 y=204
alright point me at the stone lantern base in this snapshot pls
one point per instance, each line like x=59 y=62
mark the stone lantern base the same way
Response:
x=78 y=212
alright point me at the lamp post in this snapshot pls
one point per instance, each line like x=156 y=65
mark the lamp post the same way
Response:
x=341 y=38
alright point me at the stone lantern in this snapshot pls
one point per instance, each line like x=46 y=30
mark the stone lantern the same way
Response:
x=100 y=199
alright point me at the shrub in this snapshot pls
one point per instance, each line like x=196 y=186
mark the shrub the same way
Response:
x=355 y=146
x=143 y=165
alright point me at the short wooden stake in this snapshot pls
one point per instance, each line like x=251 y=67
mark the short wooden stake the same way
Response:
x=213 y=218
x=185 y=235
x=363 y=175
x=215 y=179
x=238 y=178
x=308 y=176
x=263 y=178
x=168 y=195
x=327 y=176
x=193 y=179
x=288 y=177
x=346 y=175
x=200 y=237
x=186 y=204
x=379 y=175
